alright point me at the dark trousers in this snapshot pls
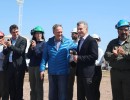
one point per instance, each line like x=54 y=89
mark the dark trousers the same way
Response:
x=85 y=88
x=15 y=82
x=3 y=86
x=71 y=83
x=120 y=82
x=58 y=87
x=97 y=81
x=36 y=84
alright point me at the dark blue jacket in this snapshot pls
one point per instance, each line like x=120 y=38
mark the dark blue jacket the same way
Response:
x=35 y=54
x=87 y=56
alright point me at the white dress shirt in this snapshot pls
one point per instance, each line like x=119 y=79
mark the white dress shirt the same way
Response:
x=82 y=40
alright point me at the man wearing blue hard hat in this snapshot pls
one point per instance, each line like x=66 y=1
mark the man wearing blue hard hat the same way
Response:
x=118 y=56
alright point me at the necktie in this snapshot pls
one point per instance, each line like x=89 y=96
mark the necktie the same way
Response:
x=81 y=42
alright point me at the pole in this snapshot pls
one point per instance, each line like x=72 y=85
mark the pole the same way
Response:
x=20 y=4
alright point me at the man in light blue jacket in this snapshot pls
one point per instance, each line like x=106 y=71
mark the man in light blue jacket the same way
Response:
x=56 y=53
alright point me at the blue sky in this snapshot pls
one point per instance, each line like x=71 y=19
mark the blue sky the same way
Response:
x=101 y=16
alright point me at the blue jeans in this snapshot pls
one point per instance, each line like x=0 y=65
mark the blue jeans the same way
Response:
x=58 y=87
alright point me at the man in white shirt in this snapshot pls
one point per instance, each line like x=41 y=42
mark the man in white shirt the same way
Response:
x=98 y=71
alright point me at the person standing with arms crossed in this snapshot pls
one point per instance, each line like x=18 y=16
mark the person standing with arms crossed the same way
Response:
x=14 y=63
x=118 y=56
x=87 y=54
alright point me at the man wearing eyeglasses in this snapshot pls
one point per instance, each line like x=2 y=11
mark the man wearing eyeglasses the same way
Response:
x=14 y=63
x=118 y=56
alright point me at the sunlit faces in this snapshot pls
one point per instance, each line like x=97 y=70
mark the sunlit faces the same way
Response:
x=58 y=33
x=1 y=39
x=14 y=33
x=74 y=35
x=82 y=30
x=123 y=32
x=38 y=35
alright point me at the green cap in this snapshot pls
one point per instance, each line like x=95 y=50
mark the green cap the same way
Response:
x=38 y=29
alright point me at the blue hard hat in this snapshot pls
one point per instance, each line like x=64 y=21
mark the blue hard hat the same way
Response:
x=122 y=23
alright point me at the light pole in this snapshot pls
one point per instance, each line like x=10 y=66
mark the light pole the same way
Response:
x=20 y=4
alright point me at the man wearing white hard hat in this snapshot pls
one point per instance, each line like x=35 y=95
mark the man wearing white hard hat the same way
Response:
x=98 y=71
x=74 y=35
x=75 y=38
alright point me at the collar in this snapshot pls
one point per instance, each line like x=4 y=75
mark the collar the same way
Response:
x=86 y=35
x=127 y=40
x=61 y=40
x=15 y=39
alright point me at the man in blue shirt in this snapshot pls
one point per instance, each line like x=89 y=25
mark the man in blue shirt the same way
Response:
x=56 y=53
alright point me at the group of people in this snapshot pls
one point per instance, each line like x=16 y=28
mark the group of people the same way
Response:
x=66 y=59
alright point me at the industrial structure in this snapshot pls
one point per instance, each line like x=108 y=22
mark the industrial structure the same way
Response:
x=20 y=4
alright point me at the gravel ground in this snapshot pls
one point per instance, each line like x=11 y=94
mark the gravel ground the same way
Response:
x=105 y=88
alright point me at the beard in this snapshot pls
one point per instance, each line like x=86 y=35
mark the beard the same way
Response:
x=74 y=38
x=123 y=36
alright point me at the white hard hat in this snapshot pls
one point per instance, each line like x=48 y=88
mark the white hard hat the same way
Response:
x=74 y=30
x=95 y=36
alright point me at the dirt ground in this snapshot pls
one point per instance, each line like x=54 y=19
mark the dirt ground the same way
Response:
x=105 y=88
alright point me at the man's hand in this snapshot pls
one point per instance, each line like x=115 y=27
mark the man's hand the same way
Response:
x=33 y=44
x=121 y=51
x=115 y=51
x=42 y=75
x=75 y=58
x=118 y=51
x=8 y=43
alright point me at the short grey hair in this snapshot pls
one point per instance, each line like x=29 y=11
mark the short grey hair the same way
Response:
x=55 y=26
x=82 y=22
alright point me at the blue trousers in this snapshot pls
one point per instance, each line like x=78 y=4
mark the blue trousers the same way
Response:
x=58 y=87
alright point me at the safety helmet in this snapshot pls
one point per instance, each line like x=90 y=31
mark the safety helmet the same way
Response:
x=95 y=36
x=2 y=34
x=74 y=30
x=37 y=29
x=122 y=23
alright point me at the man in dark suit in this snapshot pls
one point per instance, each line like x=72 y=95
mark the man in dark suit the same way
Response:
x=87 y=53
x=14 y=63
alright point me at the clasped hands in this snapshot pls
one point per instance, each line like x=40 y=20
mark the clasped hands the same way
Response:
x=118 y=51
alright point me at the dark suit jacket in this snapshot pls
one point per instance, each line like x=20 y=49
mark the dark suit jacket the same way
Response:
x=18 y=56
x=87 y=56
